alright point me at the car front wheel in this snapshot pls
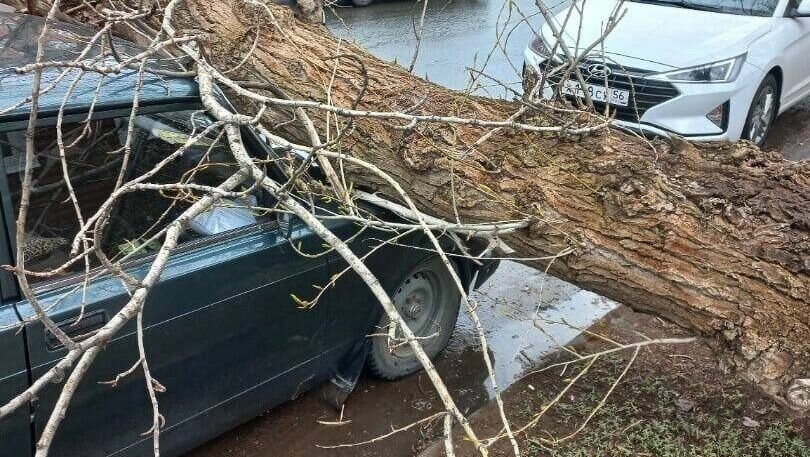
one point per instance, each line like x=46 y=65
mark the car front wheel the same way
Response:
x=762 y=112
x=428 y=300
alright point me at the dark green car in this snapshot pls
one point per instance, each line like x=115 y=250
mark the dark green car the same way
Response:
x=223 y=334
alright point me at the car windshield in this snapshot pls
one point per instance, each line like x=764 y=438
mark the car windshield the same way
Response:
x=741 y=7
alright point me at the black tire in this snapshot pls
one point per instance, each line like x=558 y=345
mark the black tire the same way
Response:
x=762 y=112
x=429 y=301
x=362 y=3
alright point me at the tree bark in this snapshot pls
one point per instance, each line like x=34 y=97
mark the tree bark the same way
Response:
x=713 y=237
x=310 y=10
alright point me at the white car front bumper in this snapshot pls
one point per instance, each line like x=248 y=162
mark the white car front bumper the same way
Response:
x=685 y=114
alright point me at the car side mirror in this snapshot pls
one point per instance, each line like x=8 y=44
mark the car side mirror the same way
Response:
x=802 y=10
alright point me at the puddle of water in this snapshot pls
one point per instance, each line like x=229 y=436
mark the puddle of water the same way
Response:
x=526 y=315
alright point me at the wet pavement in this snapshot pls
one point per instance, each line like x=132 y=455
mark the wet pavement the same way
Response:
x=457 y=35
x=485 y=34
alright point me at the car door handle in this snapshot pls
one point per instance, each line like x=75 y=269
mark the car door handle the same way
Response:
x=77 y=331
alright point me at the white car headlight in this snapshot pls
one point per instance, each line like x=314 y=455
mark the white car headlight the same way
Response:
x=724 y=71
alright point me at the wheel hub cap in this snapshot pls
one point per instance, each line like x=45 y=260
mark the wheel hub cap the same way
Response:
x=416 y=301
x=413 y=306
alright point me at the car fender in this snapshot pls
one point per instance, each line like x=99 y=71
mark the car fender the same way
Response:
x=764 y=52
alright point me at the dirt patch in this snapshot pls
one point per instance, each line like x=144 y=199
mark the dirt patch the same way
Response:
x=674 y=401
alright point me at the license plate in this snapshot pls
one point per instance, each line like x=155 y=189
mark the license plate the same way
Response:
x=598 y=93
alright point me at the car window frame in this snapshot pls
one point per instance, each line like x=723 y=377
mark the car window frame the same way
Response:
x=190 y=246
x=9 y=286
x=790 y=8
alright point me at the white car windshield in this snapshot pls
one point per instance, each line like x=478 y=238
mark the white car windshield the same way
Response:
x=741 y=7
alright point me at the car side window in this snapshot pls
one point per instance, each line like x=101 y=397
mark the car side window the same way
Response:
x=93 y=153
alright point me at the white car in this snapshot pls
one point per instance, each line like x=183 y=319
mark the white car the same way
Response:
x=702 y=69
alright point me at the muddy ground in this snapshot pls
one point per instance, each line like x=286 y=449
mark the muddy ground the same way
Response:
x=453 y=40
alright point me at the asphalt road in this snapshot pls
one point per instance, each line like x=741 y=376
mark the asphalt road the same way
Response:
x=458 y=35
x=488 y=35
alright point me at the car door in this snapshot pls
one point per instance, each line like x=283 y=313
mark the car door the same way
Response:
x=15 y=430
x=794 y=34
x=222 y=335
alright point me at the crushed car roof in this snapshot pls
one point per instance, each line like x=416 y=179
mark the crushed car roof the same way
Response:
x=18 y=46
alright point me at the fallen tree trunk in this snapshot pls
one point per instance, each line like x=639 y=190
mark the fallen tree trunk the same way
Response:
x=716 y=238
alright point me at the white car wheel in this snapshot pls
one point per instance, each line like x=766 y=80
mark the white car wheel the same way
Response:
x=762 y=112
